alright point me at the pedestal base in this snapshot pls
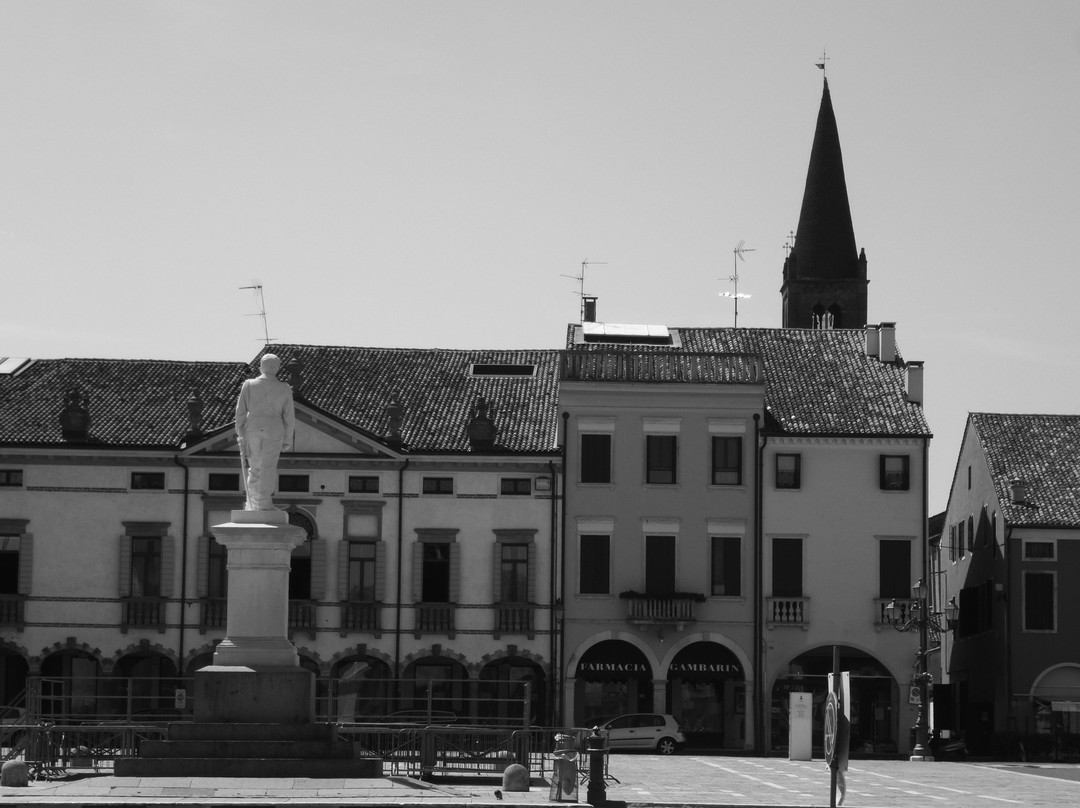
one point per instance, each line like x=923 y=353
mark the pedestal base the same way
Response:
x=244 y=695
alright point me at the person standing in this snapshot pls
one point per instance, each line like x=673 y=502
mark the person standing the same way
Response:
x=265 y=425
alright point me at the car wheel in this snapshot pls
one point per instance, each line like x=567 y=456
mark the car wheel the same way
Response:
x=666 y=746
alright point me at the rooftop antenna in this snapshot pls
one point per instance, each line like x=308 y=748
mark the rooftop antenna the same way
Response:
x=581 y=285
x=739 y=250
x=261 y=312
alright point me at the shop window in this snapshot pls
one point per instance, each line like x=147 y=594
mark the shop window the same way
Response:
x=726 y=578
x=726 y=460
x=223 y=482
x=787 y=568
x=788 y=471
x=895 y=472
x=364 y=484
x=595 y=565
x=1039 y=601
x=11 y=478
x=438 y=485
x=515 y=486
x=894 y=568
x=596 y=458
x=147 y=481
x=660 y=459
x=294 y=483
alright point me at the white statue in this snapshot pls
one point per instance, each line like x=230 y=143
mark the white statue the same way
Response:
x=265 y=422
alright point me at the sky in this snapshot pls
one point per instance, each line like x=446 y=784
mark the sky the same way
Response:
x=435 y=174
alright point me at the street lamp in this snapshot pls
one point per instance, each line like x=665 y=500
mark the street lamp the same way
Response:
x=918 y=617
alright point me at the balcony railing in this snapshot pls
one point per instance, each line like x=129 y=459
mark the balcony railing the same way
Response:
x=212 y=614
x=361 y=616
x=12 y=610
x=514 y=618
x=661 y=609
x=142 y=613
x=302 y=616
x=434 y=618
x=787 y=612
x=881 y=619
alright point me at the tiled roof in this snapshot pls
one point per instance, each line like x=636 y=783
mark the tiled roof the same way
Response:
x=131 y=402
x=817 y=382
x=437 y=392
x=1042 y=450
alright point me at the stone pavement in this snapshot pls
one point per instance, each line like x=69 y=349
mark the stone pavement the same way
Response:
x=643 y=780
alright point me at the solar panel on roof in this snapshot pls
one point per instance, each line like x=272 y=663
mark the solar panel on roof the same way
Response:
x=11 y=365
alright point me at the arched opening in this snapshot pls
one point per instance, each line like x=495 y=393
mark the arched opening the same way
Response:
x=13 y=672
x=435 y=689
x=363 y=689
x=69 y=685
x=143 y=685
x=706 y=692
x=512 y=691
x=875 y=699
x=612 y=678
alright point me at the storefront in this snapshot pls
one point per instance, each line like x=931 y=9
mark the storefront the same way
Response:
x=612 y=678
x=706 y=692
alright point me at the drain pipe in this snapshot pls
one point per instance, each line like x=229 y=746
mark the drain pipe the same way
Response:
x=562 y=574
x=400 y=567
x=183 y=568
x=759 y=634
x=553 y=639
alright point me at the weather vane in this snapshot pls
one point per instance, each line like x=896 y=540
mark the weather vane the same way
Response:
x=739 y=250
x=821 y=62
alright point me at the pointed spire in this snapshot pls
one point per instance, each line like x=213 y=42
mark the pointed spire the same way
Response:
x=825 y=239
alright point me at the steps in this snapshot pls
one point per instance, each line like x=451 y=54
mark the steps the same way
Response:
x=249 y=750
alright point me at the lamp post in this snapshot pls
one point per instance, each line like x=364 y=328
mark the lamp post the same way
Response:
x=918 y=617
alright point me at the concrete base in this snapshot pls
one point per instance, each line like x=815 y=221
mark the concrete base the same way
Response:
x=243 y=695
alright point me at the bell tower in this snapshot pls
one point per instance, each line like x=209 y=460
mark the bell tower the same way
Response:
x=825 y=281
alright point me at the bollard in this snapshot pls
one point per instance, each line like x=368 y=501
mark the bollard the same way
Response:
x=596 y=794
x=15 y=773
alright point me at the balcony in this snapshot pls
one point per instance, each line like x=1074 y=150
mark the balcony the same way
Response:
x=142 y=613
x=434 y=618
x=302 y=616
x=361 y=616
x=12 y=610
x=674 y=609
x=793 y=612
x=514 y=618
x=212 y=614
x=881 y=618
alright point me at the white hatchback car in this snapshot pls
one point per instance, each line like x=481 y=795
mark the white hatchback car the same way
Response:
x=646 y=731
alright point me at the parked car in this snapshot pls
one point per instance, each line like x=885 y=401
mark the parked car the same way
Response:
x=650 y=731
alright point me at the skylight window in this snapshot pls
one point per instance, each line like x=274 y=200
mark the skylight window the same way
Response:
x=627 y=334
x=12 y=365
x=493 y=369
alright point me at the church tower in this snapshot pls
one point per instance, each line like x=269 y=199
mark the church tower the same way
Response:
x=824 y=274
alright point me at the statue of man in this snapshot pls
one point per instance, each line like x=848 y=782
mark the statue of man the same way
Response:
x=265 y=421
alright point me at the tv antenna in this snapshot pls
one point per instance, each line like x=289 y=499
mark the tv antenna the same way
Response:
x=581 y=285
x=739 y=250
x=262 y=310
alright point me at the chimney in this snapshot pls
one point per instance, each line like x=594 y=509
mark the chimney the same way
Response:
x=394 y=413
x=481 y=429
x=588 y=309
x=872 y=343
x=295 y=369
x=1018 y=490
x=75 y=416
x=887 y=334
x=195 y=415
x=914 y=382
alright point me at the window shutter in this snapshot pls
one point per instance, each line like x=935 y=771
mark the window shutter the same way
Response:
x=125 y=566
x=343 y=570
x=455 y=572
x=26 y=563
x=318 y=569
x=532 y=572
x=168 y=565
x=496 y=573
x=418 y=572
x=380 y=571
x=202 y=568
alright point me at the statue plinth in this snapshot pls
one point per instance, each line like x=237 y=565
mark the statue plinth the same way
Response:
x=256 y=675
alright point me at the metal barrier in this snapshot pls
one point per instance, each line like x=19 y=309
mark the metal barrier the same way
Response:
x=51 y=749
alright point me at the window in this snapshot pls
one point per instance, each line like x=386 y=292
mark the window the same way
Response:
x=435 y=572
x=726 y=460
x=596 y=458
x=961 y=529
x=9 y=565
x=1039 y=550
x=147 y=481
x=895 y=472
x=726 y=566
x=1039 y=601
x=503 y=370
x=145 y=566
x=223 y=482
x=293 y=483
x=660 y=459
x=515 y=486
x=595 y=565
x=788 y=471
x=971 y=533
x=11 y=478
x=660 y=565
x=787 y=564
x=368 y=484
x=217 y=570
x=438 y=485
x=894 y=569
x=362 y=559
x=514 y=573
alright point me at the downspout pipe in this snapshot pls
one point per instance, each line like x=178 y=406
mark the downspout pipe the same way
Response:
x=400 y=566
x=759 y=702
x=183 y=566
x=553 y=677
x=562 y=572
